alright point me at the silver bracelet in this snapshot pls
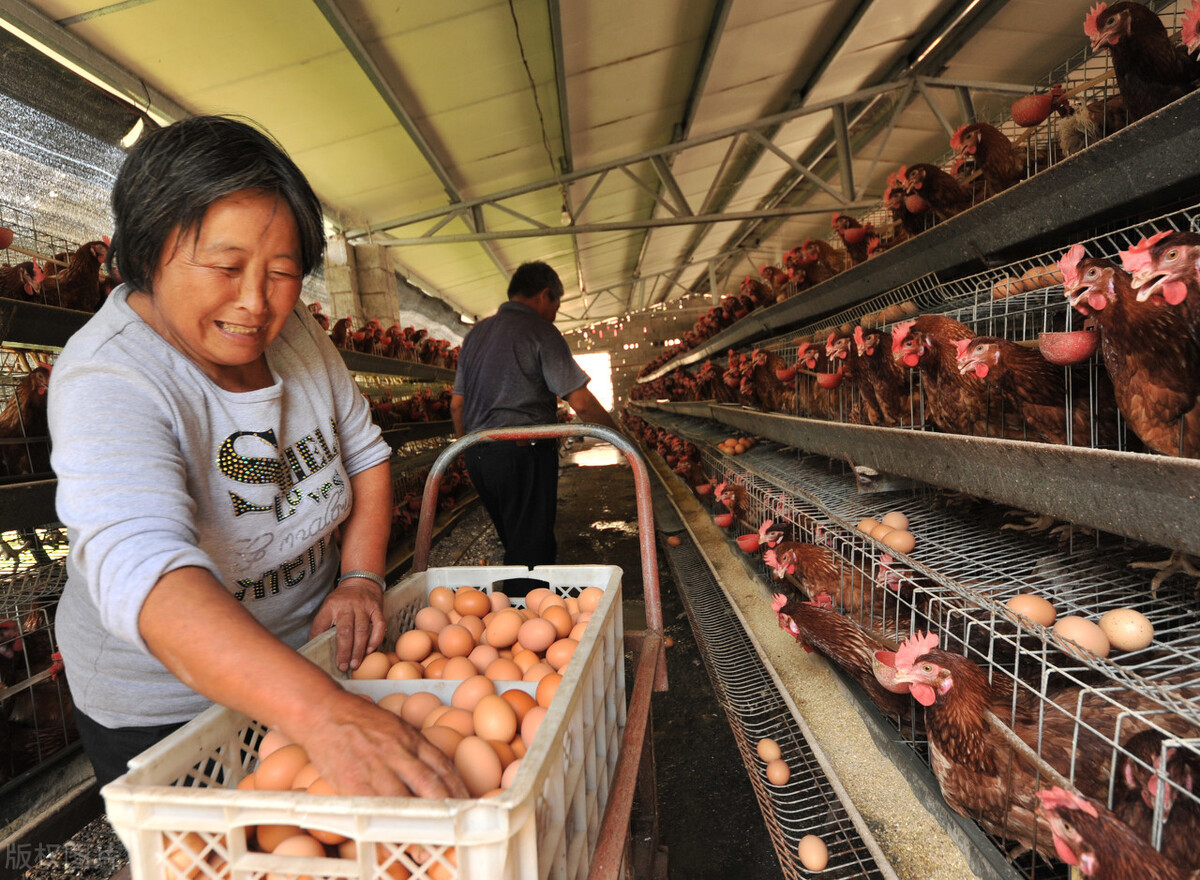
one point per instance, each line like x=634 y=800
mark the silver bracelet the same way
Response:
x=368 y=575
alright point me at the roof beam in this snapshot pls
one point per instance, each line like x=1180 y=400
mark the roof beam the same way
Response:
x=566 y=161
x=55 y=41
x=622 y=226
x=345 y=32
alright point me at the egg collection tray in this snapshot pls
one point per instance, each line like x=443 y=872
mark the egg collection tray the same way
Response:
x=179 y=815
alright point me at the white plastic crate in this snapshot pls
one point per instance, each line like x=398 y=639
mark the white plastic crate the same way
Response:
x=545 y=825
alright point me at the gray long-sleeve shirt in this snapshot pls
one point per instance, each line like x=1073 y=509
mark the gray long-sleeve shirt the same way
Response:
x=158 y=469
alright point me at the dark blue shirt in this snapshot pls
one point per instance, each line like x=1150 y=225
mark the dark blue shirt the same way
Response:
x=512 y=369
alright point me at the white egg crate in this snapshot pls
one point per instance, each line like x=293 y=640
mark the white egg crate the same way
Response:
x=179 y=815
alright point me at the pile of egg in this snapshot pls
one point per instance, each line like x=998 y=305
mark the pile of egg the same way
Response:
x=1125 y=629
x=466 y=632
x=891 y=530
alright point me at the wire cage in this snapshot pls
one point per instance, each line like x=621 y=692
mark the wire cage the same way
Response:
x=1122 y=729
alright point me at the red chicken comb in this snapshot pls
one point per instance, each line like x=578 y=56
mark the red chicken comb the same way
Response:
x=900 y=333
x=1091 y=24
x=772 y=560
x=719 y=488
x=1056 y=798
x=859 y=339
x=1138 y=256
x=766 y=525
x=915 y=646
x=956 y=138
x=1069 y=265
x=804 y=347
x=829 y=339
x=836 y=217
x=961 y=346
x=778 y=600
x=1189 y=31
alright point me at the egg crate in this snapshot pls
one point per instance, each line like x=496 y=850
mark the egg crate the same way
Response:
x=179 y=815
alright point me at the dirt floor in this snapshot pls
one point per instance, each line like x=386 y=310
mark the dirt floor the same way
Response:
x=709 y=820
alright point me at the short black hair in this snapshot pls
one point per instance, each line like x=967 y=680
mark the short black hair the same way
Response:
x=530 y=279
x=173 y=175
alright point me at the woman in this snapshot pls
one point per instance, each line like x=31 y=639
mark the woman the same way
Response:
x=208 y=442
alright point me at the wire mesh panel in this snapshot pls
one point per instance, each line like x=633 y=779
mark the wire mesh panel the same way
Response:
x=1084 y=720
x=806 y=803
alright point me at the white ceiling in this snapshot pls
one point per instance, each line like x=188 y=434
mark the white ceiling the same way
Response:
x=349 y=87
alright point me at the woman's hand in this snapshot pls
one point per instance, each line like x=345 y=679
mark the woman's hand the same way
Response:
x=356 y=609
x=361 y=749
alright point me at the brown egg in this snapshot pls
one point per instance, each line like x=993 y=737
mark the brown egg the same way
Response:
x=468 y=600
x=866 y=525
x=518 y=746
x=435 y=715
x=406 y=671
x=559 y=654
x=270 y=836
x=510 y=773
x=185 y=855
x=276 y=772
x=483 y=656
x=499 y=600
x=468 y=694
x=590 y=598
x=520 y=701
x=1083 y=633
x=458 y=669
x=478 y=764
x=473 y=624
x=300 y=845
x=442 y=598
x=1127 y=630
x=458 y=719
x=503 y=628
x=392 y=702
x=547 y=688
x=900 y=540
x=535 y=596
x=1034 y=607
x=504 y=750
x=494 y=718
x=769 y=750
x=813 y=853
x=895 y=519
x=577 y=631
x=436 y=655
x=881 y=531
x=246 y=783
x=273 y=739
x=431 y=619
x=526 y=658
x=435 y=668
x=332 y=838
x=560 y=617
x=552 y=601
x=572 y=607
x=778 y=772
x=503 y=669
x=373 y=666
x=530 y=724
x=445 y=738
x=674 y=540
x=537 y=634
x=415 y=645
x=537 y=672
x=306 y=776
x=456 y=641
x=417 y=706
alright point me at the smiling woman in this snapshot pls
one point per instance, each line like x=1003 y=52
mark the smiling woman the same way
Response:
x=220 y=475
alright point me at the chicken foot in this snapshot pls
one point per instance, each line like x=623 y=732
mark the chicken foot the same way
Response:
x=1176 y=563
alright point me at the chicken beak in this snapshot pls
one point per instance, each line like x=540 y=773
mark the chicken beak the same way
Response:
x=1146 y=282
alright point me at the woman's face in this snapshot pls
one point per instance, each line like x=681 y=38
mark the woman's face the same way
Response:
x=222 y=297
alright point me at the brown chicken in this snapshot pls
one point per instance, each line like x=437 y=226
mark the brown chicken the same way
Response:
x=1163 y=269
x=990 y=155
x=1092 y=839
x=25 y=416
x=1137 y=786
x=78 y=285
x=22 y=281
x=340 y=334
x=847 y=645
x=1151 y=71
x=888 y=381
x=818 y=570
x=954 y=402
x=1037 y=389
x=772 y=393
x=38 y=718
x=905 y=223
x=1147 y=349
x=854 y=235
x=840 y=348
x=980 y=773
x=929 y=189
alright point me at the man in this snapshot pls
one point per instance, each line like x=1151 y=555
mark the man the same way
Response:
x=512 y=369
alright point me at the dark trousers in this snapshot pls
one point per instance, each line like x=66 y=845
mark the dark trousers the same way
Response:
x=109 y=749
x=518 y=486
